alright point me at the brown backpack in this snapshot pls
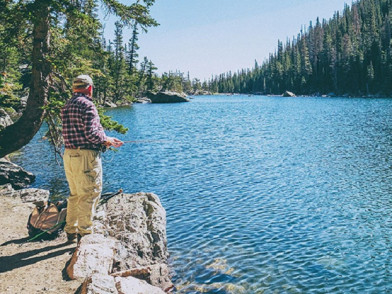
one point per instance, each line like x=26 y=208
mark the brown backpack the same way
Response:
x=47 y=219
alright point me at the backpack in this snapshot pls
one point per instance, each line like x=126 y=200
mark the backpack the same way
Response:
x=47 y=219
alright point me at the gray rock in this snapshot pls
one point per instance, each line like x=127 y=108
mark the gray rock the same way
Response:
x=5 y=119
x=160 y=276
x=110 y=104
x=167 y=97
x=33 y=195
x=99 y=284
x=123 y=103
x=143 y=100
x=201 y=93
x=138 y=222
x=288 y=94
x=7 y=190
x=129 y=241
x=94 y=254
x=23 y=101
x=105 y=284
x=132 y=285
x=27 y=195
x=14 y=175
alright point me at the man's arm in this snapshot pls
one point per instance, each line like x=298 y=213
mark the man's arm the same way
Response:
x=93 y=129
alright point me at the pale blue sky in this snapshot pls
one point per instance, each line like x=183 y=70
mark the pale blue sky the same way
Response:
x=209 y=37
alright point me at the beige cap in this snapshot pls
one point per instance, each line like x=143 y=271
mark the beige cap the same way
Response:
x=82 y=82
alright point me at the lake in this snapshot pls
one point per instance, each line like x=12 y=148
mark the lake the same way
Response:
x=262 y=194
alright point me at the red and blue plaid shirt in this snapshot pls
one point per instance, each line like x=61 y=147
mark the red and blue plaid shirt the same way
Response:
x=81 y=124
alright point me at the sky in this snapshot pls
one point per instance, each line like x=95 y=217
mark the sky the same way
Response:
x=210 y=37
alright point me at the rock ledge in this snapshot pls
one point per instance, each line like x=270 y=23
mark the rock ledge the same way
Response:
x=14 y=175
x=128 y=249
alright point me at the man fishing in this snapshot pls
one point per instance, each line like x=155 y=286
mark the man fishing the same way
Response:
x=84 y=138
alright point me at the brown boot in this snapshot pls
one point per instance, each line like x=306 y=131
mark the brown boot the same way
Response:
x=71 y=237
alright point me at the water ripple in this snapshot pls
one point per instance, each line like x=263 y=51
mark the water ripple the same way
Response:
x=263 y=194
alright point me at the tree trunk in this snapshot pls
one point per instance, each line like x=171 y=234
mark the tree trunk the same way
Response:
x=21 y=132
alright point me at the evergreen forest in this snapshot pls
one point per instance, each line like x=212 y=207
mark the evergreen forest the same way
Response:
x=350 y=54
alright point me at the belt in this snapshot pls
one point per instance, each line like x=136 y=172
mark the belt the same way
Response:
x=80 y=148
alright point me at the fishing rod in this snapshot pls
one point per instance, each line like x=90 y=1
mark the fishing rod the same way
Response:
x=43 y=232
x=105 y=197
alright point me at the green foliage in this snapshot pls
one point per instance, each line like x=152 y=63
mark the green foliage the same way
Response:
x=110 y=124
x=54 y=107
x=12 y=56
x=178 y=82
x=135 y=11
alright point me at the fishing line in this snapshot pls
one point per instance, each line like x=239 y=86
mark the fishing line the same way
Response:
x=147 y=141
x=114 y=150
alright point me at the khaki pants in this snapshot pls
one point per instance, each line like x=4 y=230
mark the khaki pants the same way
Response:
x=83 y=169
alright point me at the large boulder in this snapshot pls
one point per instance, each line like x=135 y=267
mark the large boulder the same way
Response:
x=143 y=100
x=129 y=240
x=167 y=97
x=14 y=175
x=138 y=221
x=288 y=94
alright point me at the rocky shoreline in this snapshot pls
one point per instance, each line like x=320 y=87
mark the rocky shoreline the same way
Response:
x=126 y=254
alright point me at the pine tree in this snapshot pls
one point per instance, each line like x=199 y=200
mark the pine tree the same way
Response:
x=150 y=70
x=132 y=53
x=118 y=70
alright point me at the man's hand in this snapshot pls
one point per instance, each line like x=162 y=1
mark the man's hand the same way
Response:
x=111 y=141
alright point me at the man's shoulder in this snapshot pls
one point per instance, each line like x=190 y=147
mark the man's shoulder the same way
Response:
x=81 y=101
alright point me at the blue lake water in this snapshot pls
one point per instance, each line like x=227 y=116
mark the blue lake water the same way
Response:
x=262 y=194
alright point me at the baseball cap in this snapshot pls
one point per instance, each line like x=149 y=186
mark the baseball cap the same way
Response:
x=82 y=81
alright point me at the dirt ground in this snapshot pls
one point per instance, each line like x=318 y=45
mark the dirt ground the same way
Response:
x=34 y=267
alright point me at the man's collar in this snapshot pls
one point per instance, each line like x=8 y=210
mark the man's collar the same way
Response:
x=77 y=94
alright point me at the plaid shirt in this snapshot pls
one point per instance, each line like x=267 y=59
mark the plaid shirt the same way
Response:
x=81 y=124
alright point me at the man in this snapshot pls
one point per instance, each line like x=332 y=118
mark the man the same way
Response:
x=84 y=138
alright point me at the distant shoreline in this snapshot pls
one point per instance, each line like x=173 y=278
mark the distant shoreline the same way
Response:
x=376 y=96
